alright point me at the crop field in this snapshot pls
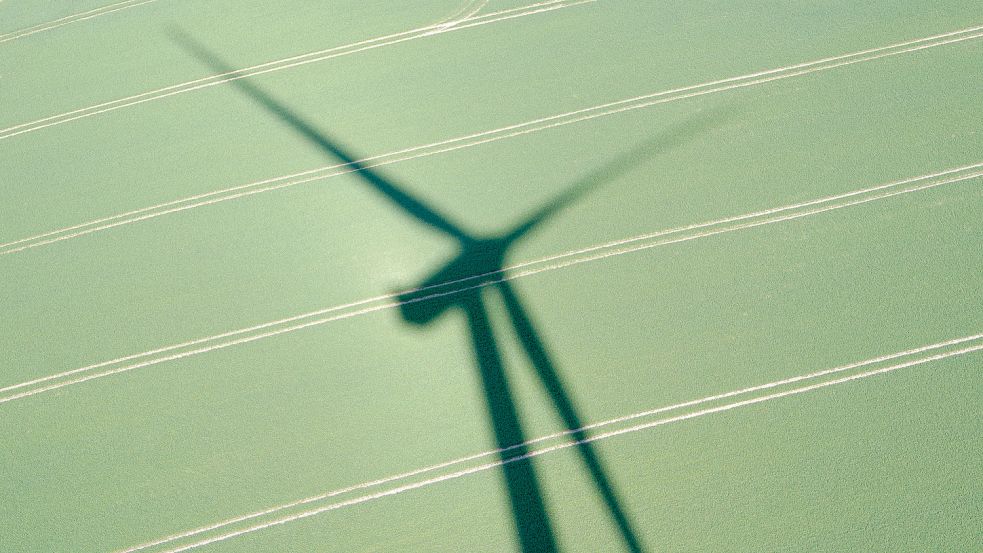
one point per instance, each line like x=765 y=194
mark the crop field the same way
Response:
x=491 y=276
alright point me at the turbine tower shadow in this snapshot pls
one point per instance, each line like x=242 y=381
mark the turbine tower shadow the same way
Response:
x=481 y=263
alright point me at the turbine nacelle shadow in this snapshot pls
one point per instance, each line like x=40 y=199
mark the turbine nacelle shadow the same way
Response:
x=479 y=262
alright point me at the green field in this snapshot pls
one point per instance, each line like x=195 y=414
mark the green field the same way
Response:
x=750 y=317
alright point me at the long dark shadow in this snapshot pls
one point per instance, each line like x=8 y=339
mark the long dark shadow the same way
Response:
x=486 y=256
x=394 y=193
x=550 y=379
x=676 y=135
x=529 y=514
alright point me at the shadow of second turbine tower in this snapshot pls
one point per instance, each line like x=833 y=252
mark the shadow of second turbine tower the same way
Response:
x=480 y=266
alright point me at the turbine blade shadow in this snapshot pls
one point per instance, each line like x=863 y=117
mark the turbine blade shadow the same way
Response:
x=675 y=136
x=394 y=193
x=553 y=384
x=532 y=521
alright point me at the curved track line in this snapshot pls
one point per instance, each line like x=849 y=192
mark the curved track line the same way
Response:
x=286 y=63
x=595 y=253
x=69 y=19
x=465 y=12
x=484 y=137
x=566 y=445
x=593 y=426
x=522 y=265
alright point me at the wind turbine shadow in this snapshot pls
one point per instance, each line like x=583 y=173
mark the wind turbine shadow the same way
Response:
x=481 y=262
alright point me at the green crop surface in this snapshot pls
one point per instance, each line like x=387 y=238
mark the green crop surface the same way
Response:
x=491 y=276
